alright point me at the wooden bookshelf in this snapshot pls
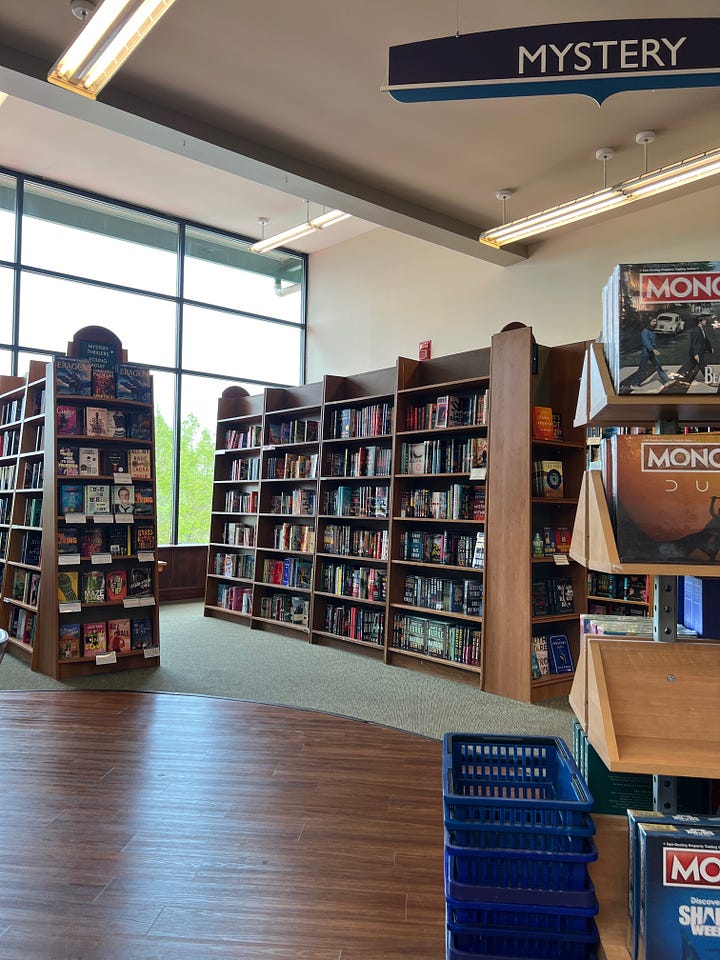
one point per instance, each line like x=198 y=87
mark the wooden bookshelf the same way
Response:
x=351 y=569
x=233 y=523
x=524 y=374
x=133 y=562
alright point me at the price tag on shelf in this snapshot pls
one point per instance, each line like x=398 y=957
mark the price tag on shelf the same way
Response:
x=101 y=558
x=151 y=652
x=103 y=658
x=121 y=478
x=70 y=606
x=103 y=518
x=561 y=560
x=75 y=518
x=124 y=518
x=68 y=559
x=146 y=601
x=146 y=556
x=131 y=601
x=478 y=473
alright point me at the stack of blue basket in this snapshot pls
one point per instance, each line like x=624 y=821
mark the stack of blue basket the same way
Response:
x=518 y=841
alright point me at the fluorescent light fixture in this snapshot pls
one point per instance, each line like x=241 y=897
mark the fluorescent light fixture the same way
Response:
x=302 y=230
x=106 y=41
x=649 y=184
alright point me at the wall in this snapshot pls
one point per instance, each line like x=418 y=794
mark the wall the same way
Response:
x=373 y=298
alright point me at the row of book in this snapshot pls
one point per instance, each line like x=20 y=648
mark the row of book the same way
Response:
x=26 y=586
x=549 y=655
x=33 y=475
x=295 y=466
x=22 y=625
x=251 y=436
x=356 y=623
x=117 y=540
x=103 y=498
x=9 y=442
x=235 y=598
x=547 y=479
x=448 y=410
x=451 y=455
x=346 y=541
x=548 y=541
x=373 y=420
x=239 y=534
x=239 y=566
x=288 y=572
x=298 y=537
x=546 y=424
x=238 y=502
x=97 y=586
x=300 y=502
x=293 y=431
x=11 y=411
x=245 y=468
x=370 y=461
x=446 y=548
x=440 y=593
x=356 y=501
x=30 y=547
x=552 y=596
x=83 y=461
x=84 y=377
x=7 y=477
x=616 y=586
x=437 y=638
x=102 y=422
x=284 y=608
x=32 y=514
x=458 y=502
x=360 y=583
x=123 y=635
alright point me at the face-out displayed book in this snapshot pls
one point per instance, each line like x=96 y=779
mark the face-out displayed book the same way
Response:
x=123 y=498
x=105 y=422
x=661 y=327
x=666 y=494
x=73 y=377
x=132 y=382
x=118 y=635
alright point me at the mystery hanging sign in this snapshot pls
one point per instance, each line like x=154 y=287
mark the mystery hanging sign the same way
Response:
x=593 y=58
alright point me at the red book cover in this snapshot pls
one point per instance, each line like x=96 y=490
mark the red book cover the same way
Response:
x=667 y=498
x=542 y=423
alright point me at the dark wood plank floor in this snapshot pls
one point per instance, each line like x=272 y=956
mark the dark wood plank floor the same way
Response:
x=139 y=826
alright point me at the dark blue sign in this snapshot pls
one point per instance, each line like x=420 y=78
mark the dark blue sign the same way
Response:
x=596 y=59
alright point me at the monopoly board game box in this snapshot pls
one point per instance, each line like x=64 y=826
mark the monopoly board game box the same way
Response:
x=661 y=327
x=679 y=901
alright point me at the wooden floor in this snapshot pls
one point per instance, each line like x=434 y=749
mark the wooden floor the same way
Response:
x=139 y=826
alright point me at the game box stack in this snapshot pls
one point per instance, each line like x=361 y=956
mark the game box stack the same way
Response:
x=518 y=842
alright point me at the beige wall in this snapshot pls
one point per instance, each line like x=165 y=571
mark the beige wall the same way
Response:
x=374 y=298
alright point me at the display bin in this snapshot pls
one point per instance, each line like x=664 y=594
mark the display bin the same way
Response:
x=465 y=946
x=526 y=919
x=520 y=783
x=512 y=876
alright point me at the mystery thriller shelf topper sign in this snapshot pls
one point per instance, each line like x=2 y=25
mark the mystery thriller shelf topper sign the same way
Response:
x=594 y=58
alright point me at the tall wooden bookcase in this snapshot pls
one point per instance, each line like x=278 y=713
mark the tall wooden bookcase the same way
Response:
x=39 y=456
x=389 y=548
x=22 y=465
x=524 y=374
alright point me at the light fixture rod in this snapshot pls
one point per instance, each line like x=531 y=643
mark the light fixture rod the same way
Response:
x=301 y=230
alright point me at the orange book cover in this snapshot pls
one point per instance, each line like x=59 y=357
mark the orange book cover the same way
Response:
x=542 y=423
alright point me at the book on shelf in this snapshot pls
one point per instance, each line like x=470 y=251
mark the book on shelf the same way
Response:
x=72 y=498
x=560 y=657
x=139 y=582
x=141 y=633
x=144 y=537
x=119 y=635
x=139 y=425
x=666 y=494
x=541 y=662
x=562 y=598
x=69 y=641
x=68 y=464
x=117 y=540
x=93 y=586
x=563 y=537
x=144 y=500
x=94 y=638
x=88 y=461
x=105 y=422
x=115 y=461
x=653 y=339
x=540 y=598
x=542 y=423
x=115 y=585
x=133 y=382
x=97 y=498
x=21 y=580
x=139 y=463
x=123 y=498
x=442 y=411
x=92 y=541
x=68 y=540
x=548 y=479
x=68 y=420
x=103 y=384
x=68 y=586
x=73 y=377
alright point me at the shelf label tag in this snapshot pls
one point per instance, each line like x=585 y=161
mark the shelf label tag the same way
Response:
x=103 y=658
x=70 y=606
x=101 y=558
x=75 y=518
x=121 y=478
x=124 y=518
x=146 y=556
x=68 y=559
x=149 y=652
x=131 y=601
x=103 y=517
x=478 y=473
x=146 y=601
x=561 y=560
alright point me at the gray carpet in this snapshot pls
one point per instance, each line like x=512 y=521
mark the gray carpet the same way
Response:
x=217 y=658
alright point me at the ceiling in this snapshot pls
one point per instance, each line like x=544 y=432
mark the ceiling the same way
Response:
x=232 y=110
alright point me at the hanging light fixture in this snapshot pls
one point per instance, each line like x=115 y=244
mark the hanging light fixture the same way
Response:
x=648 y=184
x=295 y=233
x=111 y=32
